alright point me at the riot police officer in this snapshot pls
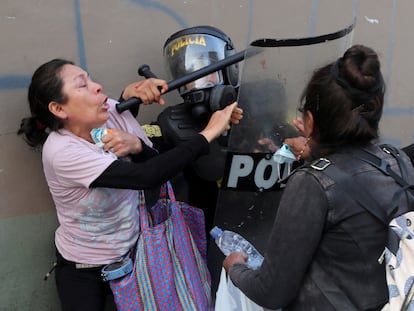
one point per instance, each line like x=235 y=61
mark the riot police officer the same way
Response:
x=184 y=52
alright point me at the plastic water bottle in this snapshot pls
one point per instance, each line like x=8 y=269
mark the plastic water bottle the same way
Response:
x=97 y=134
x=229 y=241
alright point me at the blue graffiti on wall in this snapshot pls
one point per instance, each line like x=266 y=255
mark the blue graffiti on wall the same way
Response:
x=79 y=35
x=9 y=82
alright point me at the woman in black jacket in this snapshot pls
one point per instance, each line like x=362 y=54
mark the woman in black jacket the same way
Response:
x=320 y=229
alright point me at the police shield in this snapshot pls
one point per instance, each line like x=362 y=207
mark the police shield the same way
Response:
x=275 y=73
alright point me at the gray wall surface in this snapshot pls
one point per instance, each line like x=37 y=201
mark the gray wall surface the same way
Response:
x=111 y=39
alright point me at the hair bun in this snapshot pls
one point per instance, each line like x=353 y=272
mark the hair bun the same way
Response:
x=358 y=72
x=361 y=67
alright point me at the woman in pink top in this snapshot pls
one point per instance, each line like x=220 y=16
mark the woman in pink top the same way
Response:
x=94 y=186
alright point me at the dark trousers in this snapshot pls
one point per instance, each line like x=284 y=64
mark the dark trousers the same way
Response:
x=81 y=289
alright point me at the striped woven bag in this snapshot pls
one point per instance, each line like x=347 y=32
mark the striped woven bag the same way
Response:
x=170 y=270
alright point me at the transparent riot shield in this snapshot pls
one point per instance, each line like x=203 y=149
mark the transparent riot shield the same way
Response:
x=275 y=72
x=274 y=75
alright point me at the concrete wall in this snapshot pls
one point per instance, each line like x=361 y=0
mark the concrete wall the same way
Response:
x=111 y=39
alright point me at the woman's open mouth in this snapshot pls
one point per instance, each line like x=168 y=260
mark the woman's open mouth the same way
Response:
x=105 y=104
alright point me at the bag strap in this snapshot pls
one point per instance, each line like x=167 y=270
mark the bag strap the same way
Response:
x=383 y=164
x=349 y=186
x=365 y=200
x=396 y=154
x=363 y=197
x=167 y=192
x=144 y=217
x=170 y=191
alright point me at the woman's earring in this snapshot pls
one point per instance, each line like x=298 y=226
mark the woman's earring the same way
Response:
x=303 y=149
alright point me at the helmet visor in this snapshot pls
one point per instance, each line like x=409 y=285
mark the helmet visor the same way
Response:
x=189 y=53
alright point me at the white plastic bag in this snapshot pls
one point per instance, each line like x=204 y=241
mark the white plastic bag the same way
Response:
x=230 y=298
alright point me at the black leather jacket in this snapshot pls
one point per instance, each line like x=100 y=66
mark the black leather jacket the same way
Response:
x=317 y=221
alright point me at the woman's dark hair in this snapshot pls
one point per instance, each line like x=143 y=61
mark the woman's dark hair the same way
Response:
x=346 y=100
x=46 y=86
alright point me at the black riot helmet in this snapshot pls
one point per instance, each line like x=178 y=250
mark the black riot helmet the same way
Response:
x=196 y=47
